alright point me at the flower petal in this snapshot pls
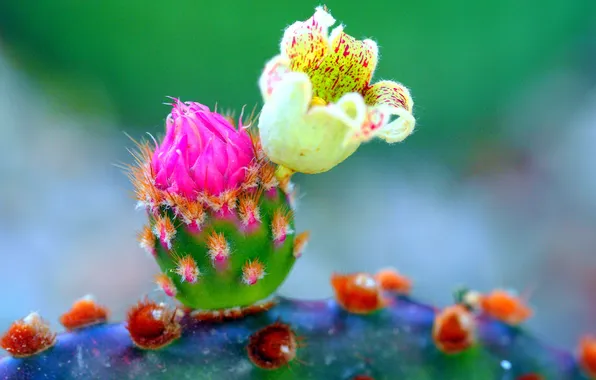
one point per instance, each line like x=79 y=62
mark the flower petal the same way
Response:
x=397 y=129
x=305 y=42
x=387 y=99
x=389 y=93
x=272 y=74
x=308 y=139
x=348 y=67
x=182 y=183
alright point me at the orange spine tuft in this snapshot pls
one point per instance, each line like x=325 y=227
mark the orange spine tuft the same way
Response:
x=454 y=329
x=191 y=212
x=253 y=271
x=147 y=240
x=219 y=249
x=152 y=325
x=187 y=269
x=300 y=243
x=142 y=178
x=357 y=293
x=391 y=280
x=248 y=209
x=505 y=307
x=226 y=201
x=28 y=337
x=84 y=312
x=164 y=230
x=251 y=181
x=273 y=346
x=165 y=284
x=586 y=355
x=280 y=225
x=267 y=175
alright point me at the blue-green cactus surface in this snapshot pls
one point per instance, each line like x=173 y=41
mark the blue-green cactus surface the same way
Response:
x=394 y=343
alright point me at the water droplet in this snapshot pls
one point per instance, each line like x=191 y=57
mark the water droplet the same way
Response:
x=506 y=365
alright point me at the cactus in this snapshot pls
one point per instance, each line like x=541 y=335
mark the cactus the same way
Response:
x=371 y=330
x=221 y=225
x=220 y=206
x=302 y=340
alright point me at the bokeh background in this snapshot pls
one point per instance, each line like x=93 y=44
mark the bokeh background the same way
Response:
x=497 y=188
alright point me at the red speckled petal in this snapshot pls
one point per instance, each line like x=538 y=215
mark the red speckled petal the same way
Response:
x=389 y=93
x=305 y=42
x=348 y=67
x=390 y=113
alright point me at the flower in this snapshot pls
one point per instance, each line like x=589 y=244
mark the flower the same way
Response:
x=202 y=152
x=320 y=104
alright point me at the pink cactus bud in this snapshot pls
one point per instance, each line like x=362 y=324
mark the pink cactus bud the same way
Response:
x=201 y=152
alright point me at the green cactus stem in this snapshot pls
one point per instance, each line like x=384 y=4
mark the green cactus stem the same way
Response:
x=228 y=282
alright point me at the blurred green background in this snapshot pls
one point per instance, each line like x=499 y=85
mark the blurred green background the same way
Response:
x=464 y=60
x=497 y=187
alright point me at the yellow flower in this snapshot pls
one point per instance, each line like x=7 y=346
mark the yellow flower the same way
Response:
x=319 y=102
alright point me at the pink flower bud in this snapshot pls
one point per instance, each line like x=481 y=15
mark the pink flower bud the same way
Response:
x=202 y=152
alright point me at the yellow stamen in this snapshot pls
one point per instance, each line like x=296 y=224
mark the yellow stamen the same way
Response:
x=283 y=175
x=316 y=101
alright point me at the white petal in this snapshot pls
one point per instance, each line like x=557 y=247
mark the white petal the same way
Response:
x=277 y=67
x=398 y=129
x=303 y=138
